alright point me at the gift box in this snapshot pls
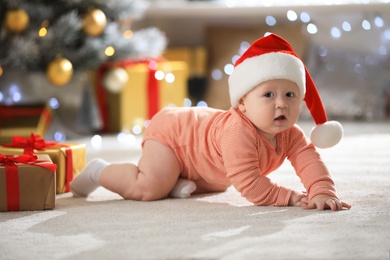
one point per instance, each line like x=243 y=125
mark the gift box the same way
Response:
x=196 y=59
x=27 y=182
x=22 y=120
x=70 y=158
x=143 y=94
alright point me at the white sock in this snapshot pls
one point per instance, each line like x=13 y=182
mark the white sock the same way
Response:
x=88 y=179
x=183 y=188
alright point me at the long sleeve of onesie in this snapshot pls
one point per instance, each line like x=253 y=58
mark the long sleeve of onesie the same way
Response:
x=247 y=161
x=249 y=158
x=309 y=167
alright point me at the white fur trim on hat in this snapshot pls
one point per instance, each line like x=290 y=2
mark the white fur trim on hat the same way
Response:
x=327 y=134
x=255 y=70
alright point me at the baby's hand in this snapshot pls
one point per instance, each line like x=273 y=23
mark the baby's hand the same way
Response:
x=322 y=202
x=297 y=199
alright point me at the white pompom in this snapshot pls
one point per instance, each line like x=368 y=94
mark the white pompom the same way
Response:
x=326 y=135
x=115 y=79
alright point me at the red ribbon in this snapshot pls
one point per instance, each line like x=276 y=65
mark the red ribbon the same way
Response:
x=36 y=142
x=12 y=112
x=153 y=94
x=30 y=143
x=15 y=111
x=12 y=177
x=69 y=168
x=152 y=88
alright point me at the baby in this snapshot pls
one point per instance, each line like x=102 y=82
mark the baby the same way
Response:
x=200 y=149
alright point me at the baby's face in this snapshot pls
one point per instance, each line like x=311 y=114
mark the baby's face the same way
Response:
x=272 y=106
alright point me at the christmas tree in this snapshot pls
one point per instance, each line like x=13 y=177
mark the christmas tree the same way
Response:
x=63 y=38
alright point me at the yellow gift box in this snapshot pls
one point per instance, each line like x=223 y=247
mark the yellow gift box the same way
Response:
x=195 y=57
x=70 y=159
x=131 y=106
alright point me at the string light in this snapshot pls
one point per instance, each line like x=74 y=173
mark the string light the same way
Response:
x=305 y=17
x=128 y=34
x=322 y=51
x=109 y=51
x=15 y=93
x=137 y=129
x=292 y=15
x=379 y=22
x=386 y=35
x=270 y=20
x=97 y=141
x=335 y=32
x=366 y=25
x=216 y=74
x=59 y=136
x=187 y=102
x=311 y=28
x=243 y=47
x=228 y=69
x=159 y=75
x=43 y=31
x=346 y=26
x=202 y=104
x=169 y=77
x=235 y=58
x=153 y=65
x=53 y=103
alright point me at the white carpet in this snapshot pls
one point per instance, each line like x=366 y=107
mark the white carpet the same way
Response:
x=216 y=226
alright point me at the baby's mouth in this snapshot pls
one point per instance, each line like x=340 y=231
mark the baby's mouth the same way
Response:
x=280 y=118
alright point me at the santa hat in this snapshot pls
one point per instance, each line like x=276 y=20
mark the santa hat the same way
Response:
x=272 y=57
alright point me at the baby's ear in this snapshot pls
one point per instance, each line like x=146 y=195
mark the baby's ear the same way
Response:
x=241 y=105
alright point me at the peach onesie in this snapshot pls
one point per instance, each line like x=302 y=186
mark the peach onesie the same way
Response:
x=224 y=147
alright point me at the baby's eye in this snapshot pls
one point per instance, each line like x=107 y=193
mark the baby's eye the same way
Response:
x=290 y=94
x=269 y=94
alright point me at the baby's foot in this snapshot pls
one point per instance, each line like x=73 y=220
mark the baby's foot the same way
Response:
x=88 y=179
x=183 y=188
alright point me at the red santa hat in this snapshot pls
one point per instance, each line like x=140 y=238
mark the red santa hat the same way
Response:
x=272 y=57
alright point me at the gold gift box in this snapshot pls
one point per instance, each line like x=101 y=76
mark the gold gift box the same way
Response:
x=195 y=57
x=58 y=155
x=129 y=108
x=37 y=190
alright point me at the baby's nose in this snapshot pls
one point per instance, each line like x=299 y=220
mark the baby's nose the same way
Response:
x=281 y=103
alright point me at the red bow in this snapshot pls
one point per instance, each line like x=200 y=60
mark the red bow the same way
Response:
x=29 y=144
x=11 y=160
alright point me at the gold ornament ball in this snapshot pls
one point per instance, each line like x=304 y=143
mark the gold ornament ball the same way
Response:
x=59 y=72
x=16 y=20
x=114 y=80
x=94 y=22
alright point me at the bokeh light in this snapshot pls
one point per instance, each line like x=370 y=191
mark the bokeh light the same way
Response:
x=97 y=141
